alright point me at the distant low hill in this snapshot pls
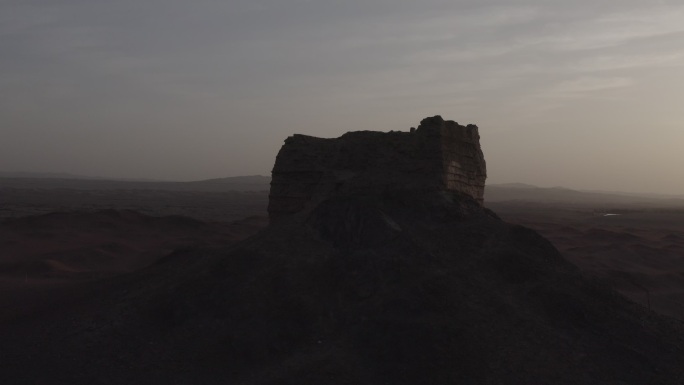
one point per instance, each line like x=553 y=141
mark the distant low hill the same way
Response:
x=43 y=175
x=235 y=183
x=518 y=192
x=253 y=179
x=239 y=183
x=64 y=175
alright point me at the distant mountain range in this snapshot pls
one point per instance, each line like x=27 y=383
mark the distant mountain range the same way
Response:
x=74 y=182
x=64 y=175
x=258 y=179
x=44 y=175
x=519 y=192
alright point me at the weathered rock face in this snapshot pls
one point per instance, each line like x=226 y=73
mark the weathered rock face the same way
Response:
x=438 y=156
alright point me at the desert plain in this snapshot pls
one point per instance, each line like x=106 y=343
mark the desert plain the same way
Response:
x=56 y=233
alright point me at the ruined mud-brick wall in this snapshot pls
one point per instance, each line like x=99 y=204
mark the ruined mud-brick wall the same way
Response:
x=438 y=155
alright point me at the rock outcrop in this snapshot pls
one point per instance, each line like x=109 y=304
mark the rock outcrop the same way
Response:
x=438 y=156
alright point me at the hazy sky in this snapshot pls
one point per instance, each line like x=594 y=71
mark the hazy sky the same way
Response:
x=584 y=94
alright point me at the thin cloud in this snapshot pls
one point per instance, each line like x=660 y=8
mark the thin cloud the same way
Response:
x=612 y=30
x=622 y=62
x=586 y=85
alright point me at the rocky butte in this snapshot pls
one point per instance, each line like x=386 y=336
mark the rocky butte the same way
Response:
x=437 y=156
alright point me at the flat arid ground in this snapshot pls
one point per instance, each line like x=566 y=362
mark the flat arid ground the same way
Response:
x=60 y=237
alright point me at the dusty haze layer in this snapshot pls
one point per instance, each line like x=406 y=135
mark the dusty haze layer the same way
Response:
x=584 y=94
